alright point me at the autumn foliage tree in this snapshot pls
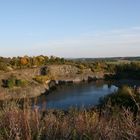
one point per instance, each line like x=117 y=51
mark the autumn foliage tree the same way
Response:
x=24 y=61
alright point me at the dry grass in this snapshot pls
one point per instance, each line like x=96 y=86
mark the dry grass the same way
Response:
x=33 y=124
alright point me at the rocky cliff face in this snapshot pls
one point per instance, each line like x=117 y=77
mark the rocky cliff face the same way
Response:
x=61 y=73
x=69 y=72
x=61 y=70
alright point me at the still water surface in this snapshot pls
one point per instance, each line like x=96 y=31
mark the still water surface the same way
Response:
x=81 y=95
x=76 y=95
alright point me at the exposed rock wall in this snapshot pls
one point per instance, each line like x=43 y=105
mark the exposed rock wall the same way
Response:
x=62 y=73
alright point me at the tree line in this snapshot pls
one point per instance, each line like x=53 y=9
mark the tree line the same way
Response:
x=28 y=62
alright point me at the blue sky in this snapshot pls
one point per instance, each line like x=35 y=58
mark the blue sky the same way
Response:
x=70 y=28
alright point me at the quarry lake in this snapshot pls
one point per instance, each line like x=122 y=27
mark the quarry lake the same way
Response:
x=81 y=94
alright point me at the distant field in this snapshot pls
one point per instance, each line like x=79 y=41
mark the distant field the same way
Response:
x=119 y=62
x=122 y=61
x=111 y=60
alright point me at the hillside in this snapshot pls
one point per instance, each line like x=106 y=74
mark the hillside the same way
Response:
x=41 y=79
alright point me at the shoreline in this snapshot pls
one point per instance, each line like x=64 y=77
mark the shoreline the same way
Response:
x=39 y=89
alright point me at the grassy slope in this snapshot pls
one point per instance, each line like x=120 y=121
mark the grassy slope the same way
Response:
x=116 y=118
x=27 y=124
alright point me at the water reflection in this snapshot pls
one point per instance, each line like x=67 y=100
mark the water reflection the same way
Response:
x=82 y=94
x=76 y=95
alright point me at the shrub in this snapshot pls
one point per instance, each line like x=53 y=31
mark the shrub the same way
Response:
x=14 y=82
x=42 y=78
x=81 y=66
x=124 y=97
x=3 y=66
x=24 y=61
x=32 y=123
x=10 y=82
x=20 y=83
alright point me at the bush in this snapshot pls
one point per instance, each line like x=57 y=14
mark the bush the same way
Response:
x=42 y=78
x=33 y=123
x=3 y=66
x=124 y=97
x=81 y=66
x=20 y=83
x=14 y=82
x=10 y=82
